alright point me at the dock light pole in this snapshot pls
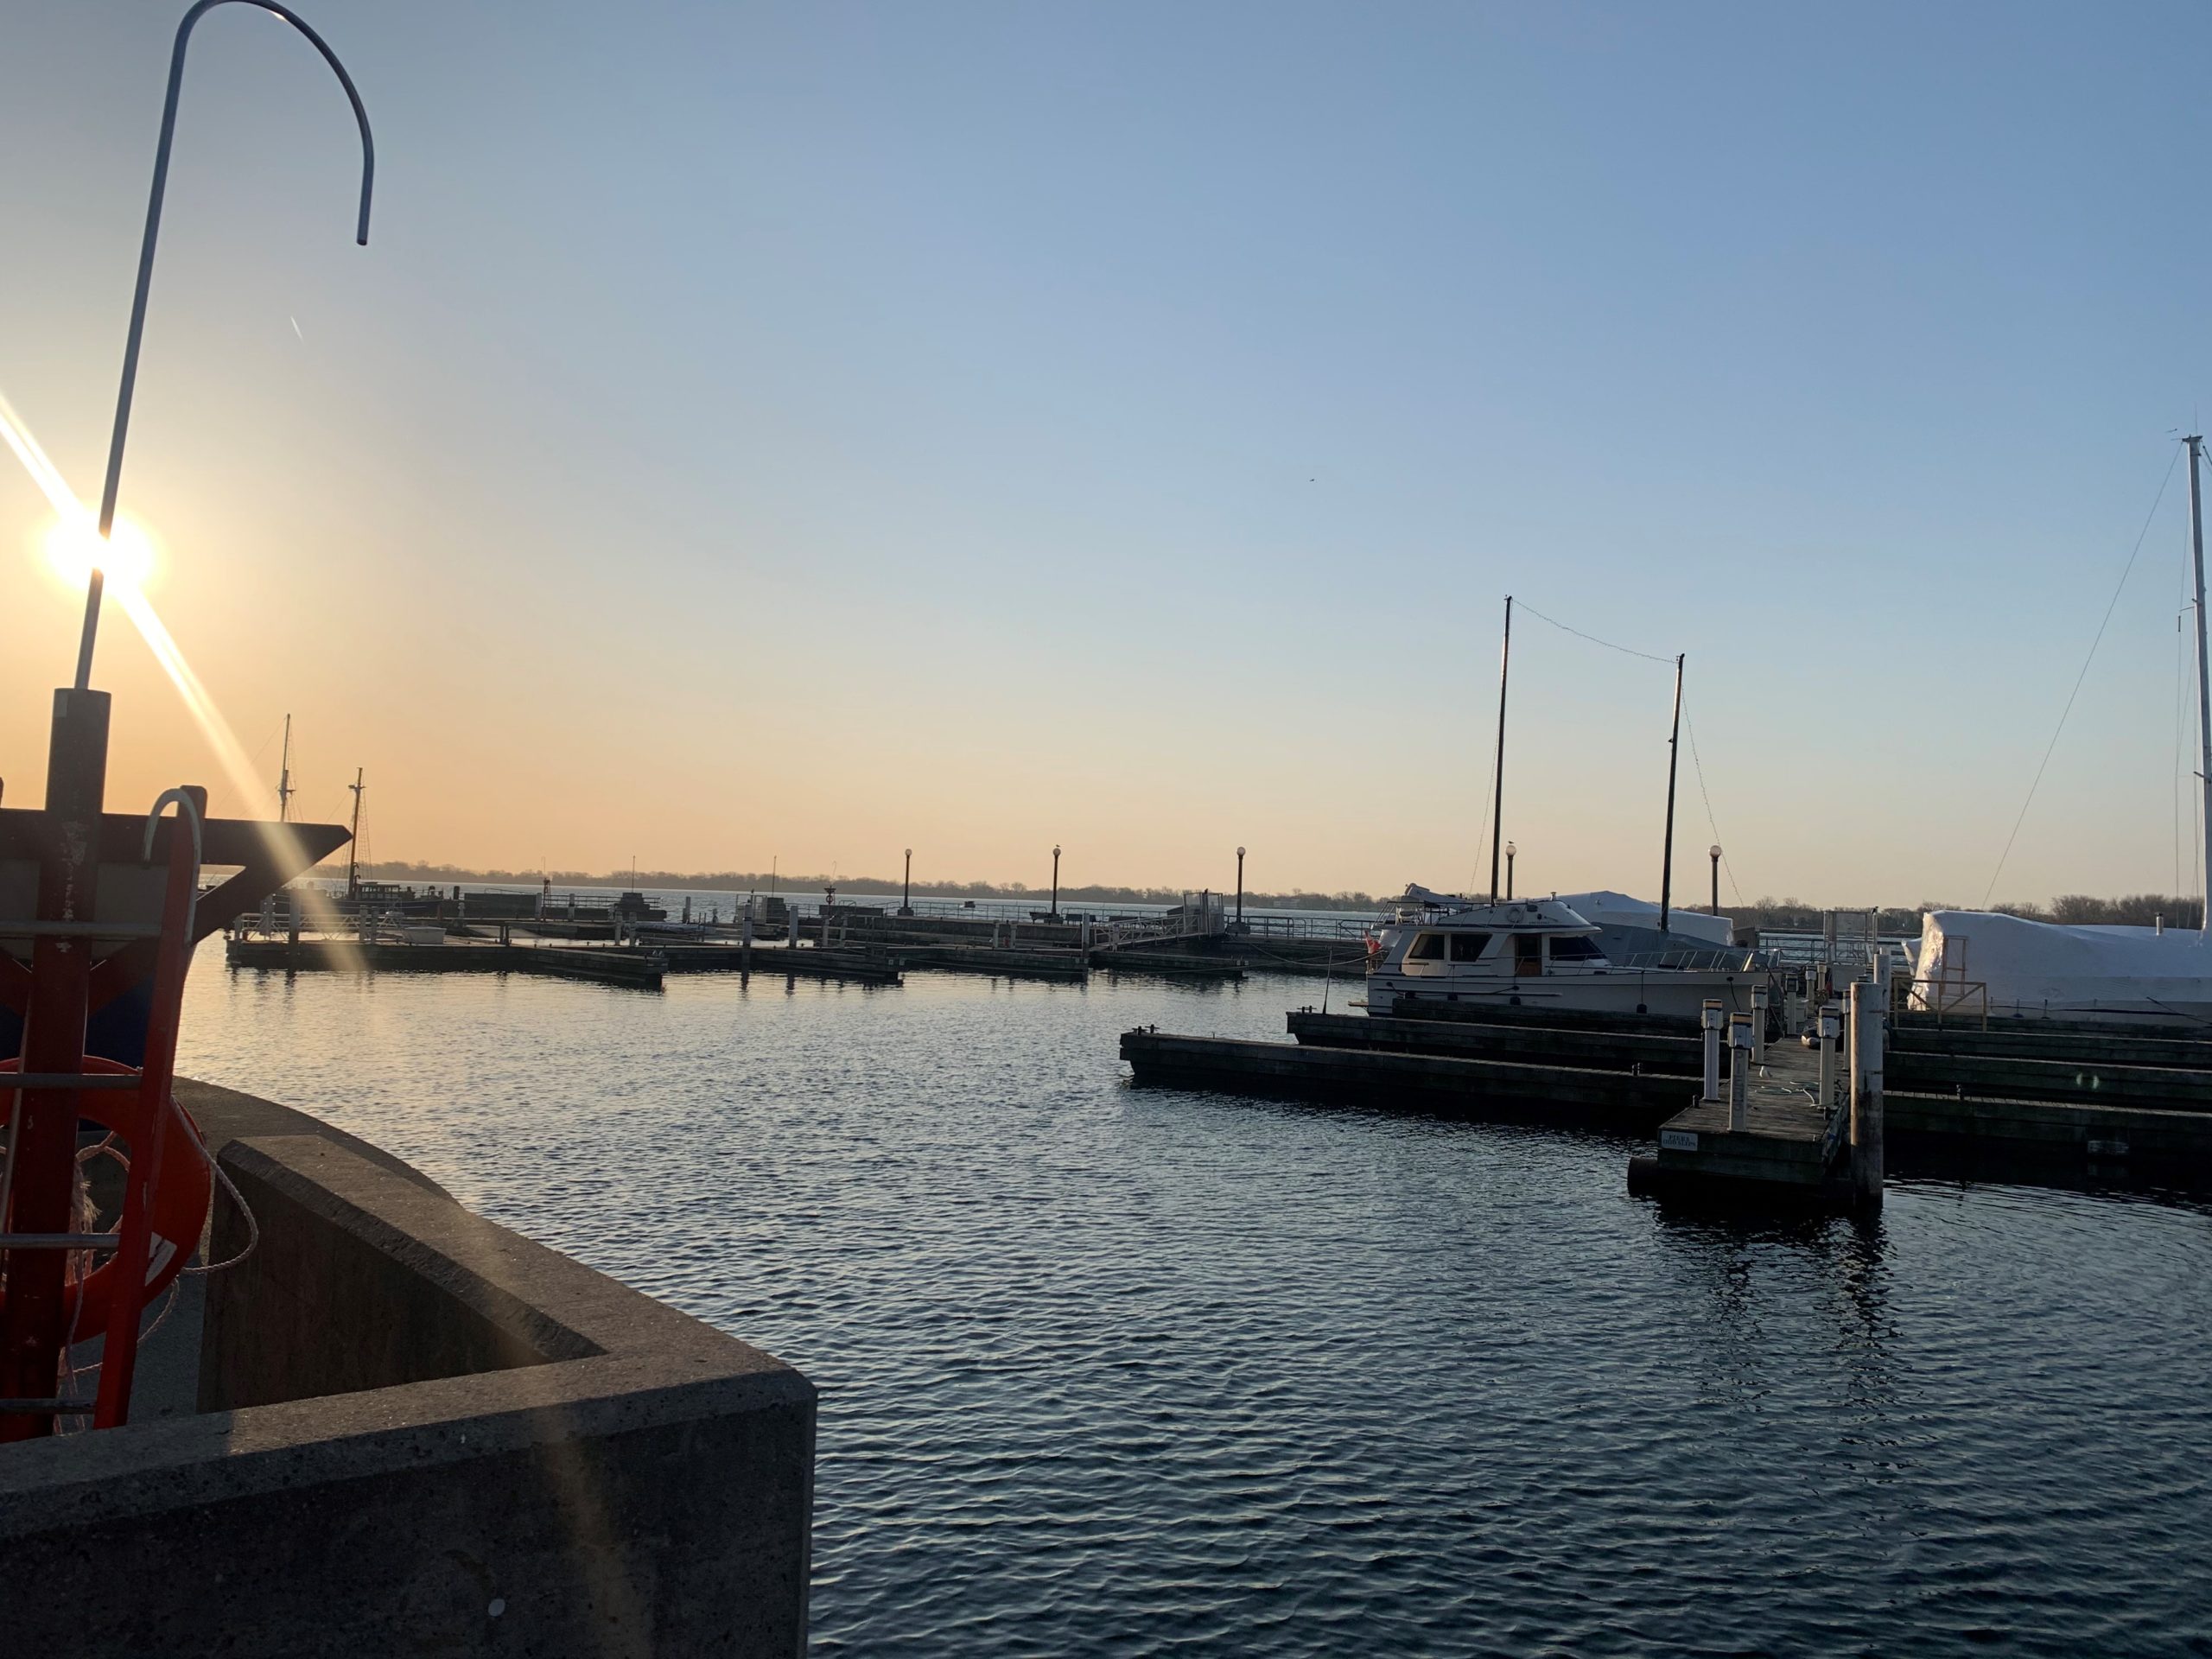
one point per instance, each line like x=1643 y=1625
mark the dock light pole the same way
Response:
x=1056 y=881
x=1240 y=889
x=1673 y=754
x=907 y=904
x=1509 y=870
x=97 y=580
x=1713 y=852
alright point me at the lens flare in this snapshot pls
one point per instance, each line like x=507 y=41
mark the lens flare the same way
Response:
x=74 y=548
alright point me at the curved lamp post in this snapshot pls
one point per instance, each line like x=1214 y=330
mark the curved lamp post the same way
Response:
x=96 y=580
x=1056 y=881
x=1240 y=889
x=1713 y=852
x=907 y=904
x=1509 y=869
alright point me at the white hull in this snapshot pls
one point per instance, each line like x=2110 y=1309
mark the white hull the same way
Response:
x=1671 y=993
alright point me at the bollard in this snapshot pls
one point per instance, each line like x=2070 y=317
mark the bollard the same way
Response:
x=1828 y=1027
x=1712 y=1019
x=1739 y=1072
x=745 y=939
x=1866 y=1042
x=1760 y=998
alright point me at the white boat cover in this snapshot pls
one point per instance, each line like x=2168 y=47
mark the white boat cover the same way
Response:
x=2063 y=972
x=1611 y=910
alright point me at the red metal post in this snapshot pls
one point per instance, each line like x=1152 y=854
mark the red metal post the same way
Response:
x=34 y=1322
x=119 y=1353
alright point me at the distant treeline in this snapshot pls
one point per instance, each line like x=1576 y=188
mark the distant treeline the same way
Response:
x=2078 y=909
x=2073 y=909
x=855 y=886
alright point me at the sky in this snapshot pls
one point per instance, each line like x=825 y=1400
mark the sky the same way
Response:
x=803 y=432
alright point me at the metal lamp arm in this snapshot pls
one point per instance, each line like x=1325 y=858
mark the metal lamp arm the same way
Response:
x=146 y=268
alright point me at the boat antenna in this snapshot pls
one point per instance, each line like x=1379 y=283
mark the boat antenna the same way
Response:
x=284 y=777
x=354 y=842
x=2203 y=668
x=1674 y=756
x=1498 y=784
x=95 y=580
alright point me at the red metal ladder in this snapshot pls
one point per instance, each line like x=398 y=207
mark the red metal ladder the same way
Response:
x=38 y=1197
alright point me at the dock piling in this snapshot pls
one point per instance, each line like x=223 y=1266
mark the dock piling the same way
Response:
x=1711 y=1020
x=1759 y=1001
x=1868 y=998
x=1739 y=1072
x=1827 y=1027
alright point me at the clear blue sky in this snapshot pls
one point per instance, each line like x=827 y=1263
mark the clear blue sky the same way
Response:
x=806 y=431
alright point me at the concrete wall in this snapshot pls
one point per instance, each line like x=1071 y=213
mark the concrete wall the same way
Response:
x=421 y=1432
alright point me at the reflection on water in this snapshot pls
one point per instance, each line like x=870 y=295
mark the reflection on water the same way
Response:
x=1125 y=1372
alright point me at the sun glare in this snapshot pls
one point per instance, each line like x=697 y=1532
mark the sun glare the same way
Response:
x=73 y=547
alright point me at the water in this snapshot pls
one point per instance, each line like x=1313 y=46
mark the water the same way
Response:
x=1121 y=1372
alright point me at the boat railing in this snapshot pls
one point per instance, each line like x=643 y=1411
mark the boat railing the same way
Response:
x=1730 y=959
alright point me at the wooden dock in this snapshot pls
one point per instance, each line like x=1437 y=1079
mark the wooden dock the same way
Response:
x=1785 y=1152
x=1625 y=1101
x=604 y=964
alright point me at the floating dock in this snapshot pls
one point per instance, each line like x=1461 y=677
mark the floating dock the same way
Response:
x=2026 y=1101
x=607 y=964
x=1782 y=1145
x=1624 y=1101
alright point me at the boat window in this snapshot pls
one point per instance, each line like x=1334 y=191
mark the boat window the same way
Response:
x=1574 y=949
x=1469 y=947
x=1427 y=947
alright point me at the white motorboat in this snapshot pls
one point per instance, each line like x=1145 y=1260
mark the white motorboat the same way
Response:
x=1539 y=953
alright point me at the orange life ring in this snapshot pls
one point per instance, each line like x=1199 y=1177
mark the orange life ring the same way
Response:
x=179 y=1203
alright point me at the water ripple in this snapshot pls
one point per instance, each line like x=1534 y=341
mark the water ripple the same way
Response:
x=1134 y=1373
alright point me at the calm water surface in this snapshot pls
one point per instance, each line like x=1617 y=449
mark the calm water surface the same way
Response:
x=1121 y=1372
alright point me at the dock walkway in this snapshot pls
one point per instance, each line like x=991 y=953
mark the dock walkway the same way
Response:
x=1786 y=1149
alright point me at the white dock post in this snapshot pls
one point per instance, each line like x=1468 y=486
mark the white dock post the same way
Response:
x=1868 y=1002
x=745 y=938
x=1827 y=1027
x=1739 y=1072
x=1712 y=1019
x=1760 y=998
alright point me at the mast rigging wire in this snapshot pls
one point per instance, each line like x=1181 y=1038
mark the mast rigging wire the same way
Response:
x=2051 y=747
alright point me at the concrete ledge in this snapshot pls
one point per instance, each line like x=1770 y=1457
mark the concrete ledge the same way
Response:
x=422 y=1432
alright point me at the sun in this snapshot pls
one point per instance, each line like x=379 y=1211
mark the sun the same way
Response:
x=73 y=547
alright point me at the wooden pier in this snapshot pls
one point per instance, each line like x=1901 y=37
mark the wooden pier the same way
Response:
x=606 y=965
x=1624 y=1101
x=2107 y=1105
x=1782 y=1146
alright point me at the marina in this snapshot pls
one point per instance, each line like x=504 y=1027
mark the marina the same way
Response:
x=1029 y=1207
x=645 y=1213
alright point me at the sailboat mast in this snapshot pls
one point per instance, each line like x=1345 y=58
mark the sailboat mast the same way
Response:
x=354 y=842
x=1498 y=785
x=2203 y=668
x=1674 y=756
x=284 y=777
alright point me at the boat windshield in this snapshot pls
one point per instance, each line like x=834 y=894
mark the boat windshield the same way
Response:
x=1469 y=947
x=1571 y=948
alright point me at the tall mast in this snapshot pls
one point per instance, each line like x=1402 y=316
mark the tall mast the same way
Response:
x=284 y=777
x=1673 y=755
x=2203 y=668
x=353 y=842
x=1497 y=786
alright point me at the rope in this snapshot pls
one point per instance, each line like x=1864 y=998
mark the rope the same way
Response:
x=2050 y=748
